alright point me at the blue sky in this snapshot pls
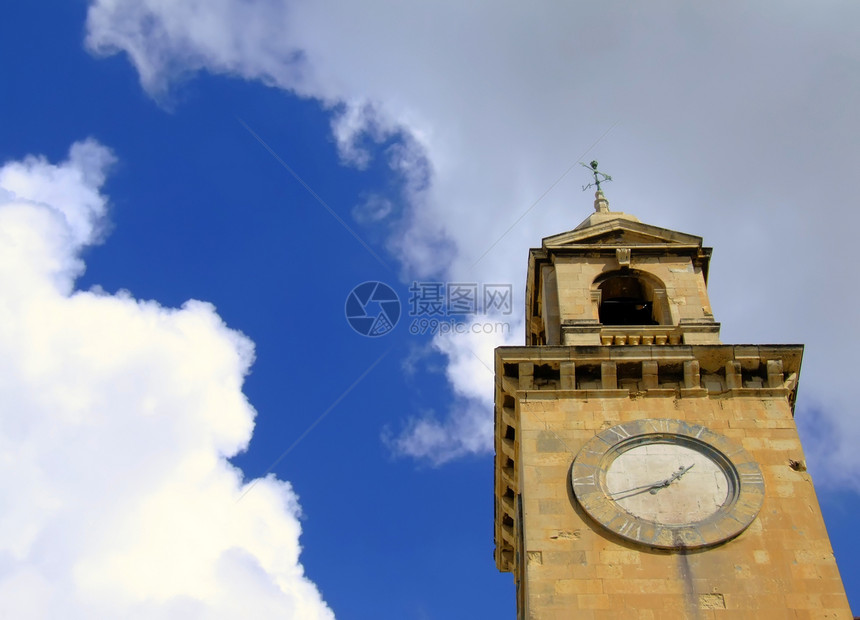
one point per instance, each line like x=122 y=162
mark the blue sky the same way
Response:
x=127 y=149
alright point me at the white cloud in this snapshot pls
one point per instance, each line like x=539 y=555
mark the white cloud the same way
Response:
x=357 y=122
x=118 y=418
x=466 y=428
x=733 y=122
x=373 y=208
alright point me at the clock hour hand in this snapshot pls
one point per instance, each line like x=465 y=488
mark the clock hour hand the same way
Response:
x=675 y=476
x=681 y=471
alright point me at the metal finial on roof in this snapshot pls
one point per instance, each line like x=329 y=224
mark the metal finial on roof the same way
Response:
x=599 y=177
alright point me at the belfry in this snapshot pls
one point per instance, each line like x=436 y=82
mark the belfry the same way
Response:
x=643 y=468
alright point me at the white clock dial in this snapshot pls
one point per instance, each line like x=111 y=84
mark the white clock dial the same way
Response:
x=667 y=483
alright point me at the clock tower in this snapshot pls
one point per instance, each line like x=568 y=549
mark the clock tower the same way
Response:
x=643 y=468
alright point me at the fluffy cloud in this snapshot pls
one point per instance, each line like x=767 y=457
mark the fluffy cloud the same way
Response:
x=466 y=428
x=733 y=122
x=373 y=208
x=119 y=416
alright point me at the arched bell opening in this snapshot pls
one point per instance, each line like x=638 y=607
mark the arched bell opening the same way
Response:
x=630 y=298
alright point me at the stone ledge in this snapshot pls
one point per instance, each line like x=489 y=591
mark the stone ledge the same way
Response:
x=698 y=392
x=553 y=394
x=661 y=392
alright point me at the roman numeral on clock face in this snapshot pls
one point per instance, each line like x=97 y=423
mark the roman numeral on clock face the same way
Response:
x=631 y=529
x=620 y=432
x=752 y=478
x=659 y=426
x=585 y=480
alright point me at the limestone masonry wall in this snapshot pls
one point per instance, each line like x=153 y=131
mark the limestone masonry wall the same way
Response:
x=550 y=401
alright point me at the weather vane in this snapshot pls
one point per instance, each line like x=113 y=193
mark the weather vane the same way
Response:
x=599 y=177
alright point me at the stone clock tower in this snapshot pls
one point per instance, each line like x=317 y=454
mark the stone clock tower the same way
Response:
x=643 y=469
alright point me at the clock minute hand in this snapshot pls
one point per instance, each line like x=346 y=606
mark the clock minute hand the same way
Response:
x=641 y=489
x=654 y=487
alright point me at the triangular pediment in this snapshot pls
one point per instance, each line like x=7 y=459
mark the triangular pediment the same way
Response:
x=620 y=231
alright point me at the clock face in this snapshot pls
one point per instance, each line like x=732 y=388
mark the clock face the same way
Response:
x=667 y=484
